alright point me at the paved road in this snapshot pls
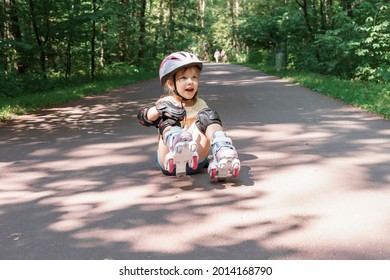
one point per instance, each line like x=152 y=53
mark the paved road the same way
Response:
x=79 y=181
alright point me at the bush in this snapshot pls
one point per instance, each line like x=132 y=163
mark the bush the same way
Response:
x=9 y=86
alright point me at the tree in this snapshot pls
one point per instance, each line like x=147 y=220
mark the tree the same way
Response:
x=93 y=38
x=172 y=25
x=38 y=37
x=142 y=31
x=65 y=38
x=340 y=37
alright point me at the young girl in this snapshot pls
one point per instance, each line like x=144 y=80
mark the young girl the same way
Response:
x=187 y=126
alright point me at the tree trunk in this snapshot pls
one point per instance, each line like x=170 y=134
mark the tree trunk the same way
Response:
x=347 y=6
x=42 y=55
x=69 y=43
x=101 y=59
x=123 y=46
x=307 y=18
x=171 y=26
x=142 y=31
x=202 y=7
x=309 y=26
x=16 y=35
x=93 y=38
x=330 y=13
x=234 y=8
x=159 y=29
x=3 y=32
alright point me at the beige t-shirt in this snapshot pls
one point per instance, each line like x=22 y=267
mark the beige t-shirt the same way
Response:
x=191 y=112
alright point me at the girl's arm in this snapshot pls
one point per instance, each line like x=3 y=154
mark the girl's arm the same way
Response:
x=164 y=109
x=149 y=116
x=152 y=114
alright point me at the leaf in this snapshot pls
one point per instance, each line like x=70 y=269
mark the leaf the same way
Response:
x=15 y=236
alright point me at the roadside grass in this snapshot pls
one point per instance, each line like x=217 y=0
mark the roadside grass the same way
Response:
x=10 y=107
x=369 y=96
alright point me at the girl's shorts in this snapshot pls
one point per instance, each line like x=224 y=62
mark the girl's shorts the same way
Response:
x=189 y=171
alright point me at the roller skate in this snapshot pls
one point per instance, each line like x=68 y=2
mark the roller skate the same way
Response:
x=224 y=160
x=182 y=151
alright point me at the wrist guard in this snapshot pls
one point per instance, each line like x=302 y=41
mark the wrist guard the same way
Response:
x=167 y=110
x=143 y=119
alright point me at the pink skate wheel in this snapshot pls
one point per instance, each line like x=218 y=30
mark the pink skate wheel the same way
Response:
x=213 y=173
x=236 y=172
x=194 y=162
x=170 y=165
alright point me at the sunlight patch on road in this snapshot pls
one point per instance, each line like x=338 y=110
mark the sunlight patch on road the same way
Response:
x=13 y=188
x=345 y=226
x=185 y=226
x=83 y=208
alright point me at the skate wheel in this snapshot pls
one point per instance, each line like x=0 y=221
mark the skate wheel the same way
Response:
x=194 y=162
x=170 y=165
x=213 y=173
x=236 y=172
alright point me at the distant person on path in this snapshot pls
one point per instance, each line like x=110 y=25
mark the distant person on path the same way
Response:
x=223 y=56
x=184 y=121
x=217 y=54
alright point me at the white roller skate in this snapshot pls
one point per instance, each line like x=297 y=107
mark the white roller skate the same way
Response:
x=182 y=151
x=225 y=162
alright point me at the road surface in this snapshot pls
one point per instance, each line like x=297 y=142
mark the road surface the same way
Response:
x=79 y=181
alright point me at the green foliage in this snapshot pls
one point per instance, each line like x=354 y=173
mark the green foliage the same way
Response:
x=373 y=50
x=116 y=76
x=255 y=56
x=121 y=34
x=9 y=86
x=352 y=43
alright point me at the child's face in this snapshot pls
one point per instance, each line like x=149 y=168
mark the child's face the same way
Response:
x=187 y=81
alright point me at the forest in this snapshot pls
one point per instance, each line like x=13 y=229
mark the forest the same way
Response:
x=62 y=40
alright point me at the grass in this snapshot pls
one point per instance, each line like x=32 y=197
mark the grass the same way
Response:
x=10 y=107
x=369 y=96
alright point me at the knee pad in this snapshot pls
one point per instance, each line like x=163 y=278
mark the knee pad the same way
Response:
x=206 y=117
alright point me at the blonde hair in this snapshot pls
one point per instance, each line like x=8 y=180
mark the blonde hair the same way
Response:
x=168 y=89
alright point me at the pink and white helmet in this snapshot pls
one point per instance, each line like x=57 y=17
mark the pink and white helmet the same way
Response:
x=176 y=61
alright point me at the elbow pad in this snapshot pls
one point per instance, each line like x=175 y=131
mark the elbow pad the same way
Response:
x=143 y=119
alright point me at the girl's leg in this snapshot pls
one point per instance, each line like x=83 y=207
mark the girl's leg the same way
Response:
x=162 y=151
x=225 y=158
x=203 y=143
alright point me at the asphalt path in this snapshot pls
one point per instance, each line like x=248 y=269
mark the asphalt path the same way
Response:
x=79 y=181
